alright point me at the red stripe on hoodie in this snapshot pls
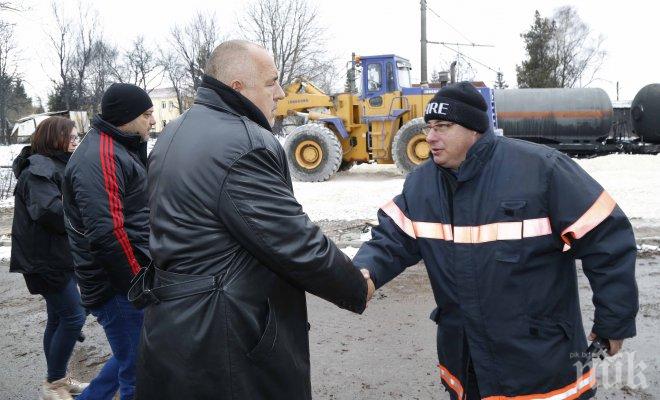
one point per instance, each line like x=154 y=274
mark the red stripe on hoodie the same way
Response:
x=116 y=209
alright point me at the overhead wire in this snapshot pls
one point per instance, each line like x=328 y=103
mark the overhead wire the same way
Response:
x=470 y=58
x=448 y=24
x=465 y=37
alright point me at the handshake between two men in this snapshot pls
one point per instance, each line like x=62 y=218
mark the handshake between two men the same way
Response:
x=371 y=288
x=245 y=335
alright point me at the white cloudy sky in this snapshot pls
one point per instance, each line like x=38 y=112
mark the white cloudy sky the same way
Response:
x=631 y=31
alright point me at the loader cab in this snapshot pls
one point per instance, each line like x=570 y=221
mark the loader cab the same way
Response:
x=383 y=74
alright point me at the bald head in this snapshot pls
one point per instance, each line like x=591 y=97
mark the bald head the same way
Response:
x=234 y=60
x=248 y=69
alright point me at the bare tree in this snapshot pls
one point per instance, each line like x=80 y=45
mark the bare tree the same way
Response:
x=103 y=71
x=578 y=53
x=175 y=72
x=86 y=39
x=193 y=44
x=459 y=69
x=61 y=42
x=292 y=31
x=7 y=76
x=464 y=71
x=10 y=6
x=140 y=66
x=76 y=45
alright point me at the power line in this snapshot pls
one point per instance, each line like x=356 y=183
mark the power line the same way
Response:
x=461 y=44
x=448 y=24
x=470 y=58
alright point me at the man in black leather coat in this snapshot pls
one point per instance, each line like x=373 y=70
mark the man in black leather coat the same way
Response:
x=234 y=251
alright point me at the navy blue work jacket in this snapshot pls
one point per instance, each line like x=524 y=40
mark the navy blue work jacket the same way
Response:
x=499 y=240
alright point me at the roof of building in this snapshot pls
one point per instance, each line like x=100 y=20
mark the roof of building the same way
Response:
x=162 y=93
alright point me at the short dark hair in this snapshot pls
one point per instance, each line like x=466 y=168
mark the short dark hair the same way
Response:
x=52 y=136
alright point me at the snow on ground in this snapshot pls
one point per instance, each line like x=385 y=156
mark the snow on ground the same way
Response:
x=7 y=203
x=350 y=251
x=633 y=181
x=8 y=153
x=355 y=194
x=5 y=254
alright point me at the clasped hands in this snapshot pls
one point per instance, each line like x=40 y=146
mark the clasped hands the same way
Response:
x=371 y=288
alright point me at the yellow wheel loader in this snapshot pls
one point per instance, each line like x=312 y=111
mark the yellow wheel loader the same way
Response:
x=383 y=123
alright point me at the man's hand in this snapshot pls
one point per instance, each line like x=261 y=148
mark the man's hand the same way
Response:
x=371 y=288
x=615 y=345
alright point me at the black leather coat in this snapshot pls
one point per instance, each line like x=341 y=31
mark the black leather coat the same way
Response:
x=222 y=205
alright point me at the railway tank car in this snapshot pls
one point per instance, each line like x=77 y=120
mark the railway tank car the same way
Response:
x=579 y=121
x=645 y=113
x=554 y=115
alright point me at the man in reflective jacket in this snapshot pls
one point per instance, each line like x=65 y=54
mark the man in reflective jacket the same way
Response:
x=499 y=224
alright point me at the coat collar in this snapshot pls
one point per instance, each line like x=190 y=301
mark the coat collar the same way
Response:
x=131 y=141
x=477 y=156
x=231 y=100
x=210 y=98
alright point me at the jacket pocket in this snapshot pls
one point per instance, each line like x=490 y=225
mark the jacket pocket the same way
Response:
x=549 y=327
x=266 y=343
x=508 y=255
x=509 y=250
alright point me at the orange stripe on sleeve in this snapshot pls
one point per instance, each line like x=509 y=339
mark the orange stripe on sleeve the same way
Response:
x=601 y=209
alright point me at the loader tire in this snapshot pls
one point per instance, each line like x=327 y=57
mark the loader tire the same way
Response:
x=409 y=147
x=313 y=153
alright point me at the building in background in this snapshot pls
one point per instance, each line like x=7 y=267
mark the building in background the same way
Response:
x=24 y=128
x=166 y=107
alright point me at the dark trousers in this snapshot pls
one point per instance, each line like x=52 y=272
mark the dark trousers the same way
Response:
x=122 y=324
x=66 y=318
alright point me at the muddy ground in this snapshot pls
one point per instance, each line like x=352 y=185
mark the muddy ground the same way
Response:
x=387 y=353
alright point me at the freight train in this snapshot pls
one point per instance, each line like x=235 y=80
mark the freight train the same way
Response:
x=383 y=123
x=582 y=122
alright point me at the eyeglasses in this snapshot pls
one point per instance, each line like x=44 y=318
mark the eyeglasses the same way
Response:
x=74 y=138
x=441 y=127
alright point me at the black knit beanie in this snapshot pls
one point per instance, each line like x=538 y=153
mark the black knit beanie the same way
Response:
x=460 y=103
x=123 y=102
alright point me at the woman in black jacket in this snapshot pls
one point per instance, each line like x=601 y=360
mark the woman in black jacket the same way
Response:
x=40 y=247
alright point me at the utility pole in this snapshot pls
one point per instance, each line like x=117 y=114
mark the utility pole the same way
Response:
x=617 y=90
x=423 y=41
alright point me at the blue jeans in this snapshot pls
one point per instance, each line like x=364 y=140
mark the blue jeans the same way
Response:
x=66 y=318
x=122 y=324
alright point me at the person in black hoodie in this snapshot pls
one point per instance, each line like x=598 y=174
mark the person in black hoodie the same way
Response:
x=40 y=250
x=107 y=220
